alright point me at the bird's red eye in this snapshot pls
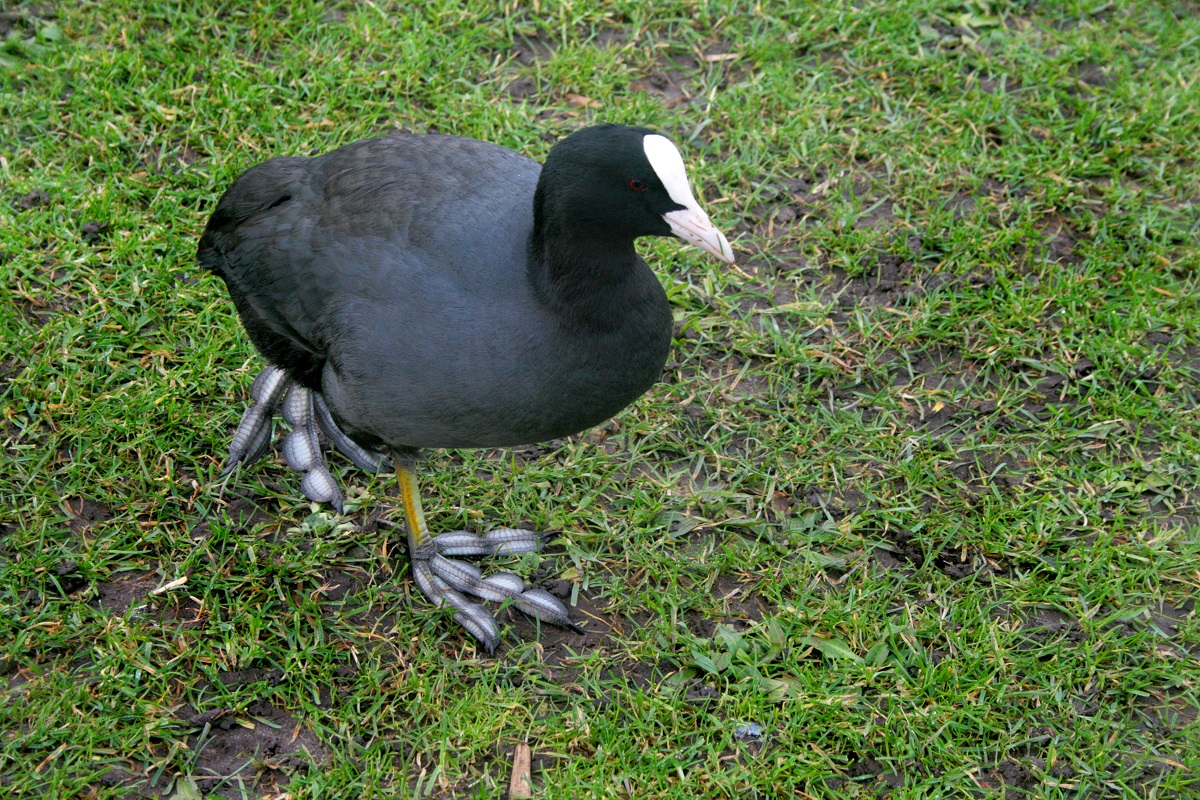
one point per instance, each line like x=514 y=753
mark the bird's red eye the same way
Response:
x=637 y=185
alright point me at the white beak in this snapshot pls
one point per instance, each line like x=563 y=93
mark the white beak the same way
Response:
x=693 y=226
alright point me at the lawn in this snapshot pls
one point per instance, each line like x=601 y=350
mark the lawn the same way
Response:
x=913 y=513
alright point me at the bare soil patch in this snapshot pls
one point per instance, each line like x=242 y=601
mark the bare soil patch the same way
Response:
x=234 y=755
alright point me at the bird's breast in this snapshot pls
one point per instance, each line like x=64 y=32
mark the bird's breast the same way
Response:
x=511 y=375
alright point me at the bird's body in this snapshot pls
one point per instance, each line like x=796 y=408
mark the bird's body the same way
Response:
x=422 y=330
x=423 y=291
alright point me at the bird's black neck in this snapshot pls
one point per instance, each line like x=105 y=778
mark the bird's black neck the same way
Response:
x=586 y=276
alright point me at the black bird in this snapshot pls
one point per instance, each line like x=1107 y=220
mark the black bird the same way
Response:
x=416 y=291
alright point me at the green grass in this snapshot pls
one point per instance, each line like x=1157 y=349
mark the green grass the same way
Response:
x=918 y=494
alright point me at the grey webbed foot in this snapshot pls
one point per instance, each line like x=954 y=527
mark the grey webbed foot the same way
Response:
x=306 y=411
x=447 y=580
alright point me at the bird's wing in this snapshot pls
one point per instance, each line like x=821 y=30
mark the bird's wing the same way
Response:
x=295 y=238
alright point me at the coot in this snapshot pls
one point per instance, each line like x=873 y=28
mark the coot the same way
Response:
x=418 y=291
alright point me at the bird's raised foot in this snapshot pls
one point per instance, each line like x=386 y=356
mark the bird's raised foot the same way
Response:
x=306 y=411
